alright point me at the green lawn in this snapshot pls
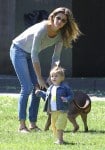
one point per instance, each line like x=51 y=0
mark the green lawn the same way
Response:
x=10 y=139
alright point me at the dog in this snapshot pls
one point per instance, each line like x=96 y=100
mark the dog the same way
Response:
x=80 y=105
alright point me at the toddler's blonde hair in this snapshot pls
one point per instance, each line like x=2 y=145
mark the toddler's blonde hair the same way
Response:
x=58 y=70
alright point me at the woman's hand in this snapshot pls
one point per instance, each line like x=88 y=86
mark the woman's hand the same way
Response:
x=42 y=83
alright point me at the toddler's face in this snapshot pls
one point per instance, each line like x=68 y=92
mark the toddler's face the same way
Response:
x=56 y=78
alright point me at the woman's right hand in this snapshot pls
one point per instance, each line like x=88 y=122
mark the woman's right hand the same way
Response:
x=42 y=83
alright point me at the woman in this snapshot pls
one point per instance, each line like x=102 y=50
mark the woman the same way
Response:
x=60 y=30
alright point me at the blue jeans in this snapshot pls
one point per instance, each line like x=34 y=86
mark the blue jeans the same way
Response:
x=22 y=63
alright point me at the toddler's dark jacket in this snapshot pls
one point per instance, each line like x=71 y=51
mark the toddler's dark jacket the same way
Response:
x=63 y=90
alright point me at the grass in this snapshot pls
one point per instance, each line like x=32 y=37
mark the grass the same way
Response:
x=10 y=139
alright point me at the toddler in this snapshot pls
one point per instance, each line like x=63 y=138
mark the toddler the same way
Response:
x=57 y=97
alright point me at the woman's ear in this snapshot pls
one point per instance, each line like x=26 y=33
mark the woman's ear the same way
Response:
x=52 y=18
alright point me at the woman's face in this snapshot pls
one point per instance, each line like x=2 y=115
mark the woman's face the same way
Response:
x=59 y=21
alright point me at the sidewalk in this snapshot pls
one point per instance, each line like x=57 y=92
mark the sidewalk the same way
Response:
x=10 y=94
x=16 y=95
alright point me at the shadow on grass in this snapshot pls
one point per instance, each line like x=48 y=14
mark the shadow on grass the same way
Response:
x=69 y=143
x=90 y=131
x=73 y=143
x=96 y=131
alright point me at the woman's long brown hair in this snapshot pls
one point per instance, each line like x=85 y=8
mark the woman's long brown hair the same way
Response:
x=70 y=31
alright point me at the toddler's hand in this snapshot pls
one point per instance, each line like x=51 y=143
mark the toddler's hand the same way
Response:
x=64 y=99
x=37 y=91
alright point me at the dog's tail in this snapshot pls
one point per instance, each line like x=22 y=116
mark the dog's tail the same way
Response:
x=85 y=108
